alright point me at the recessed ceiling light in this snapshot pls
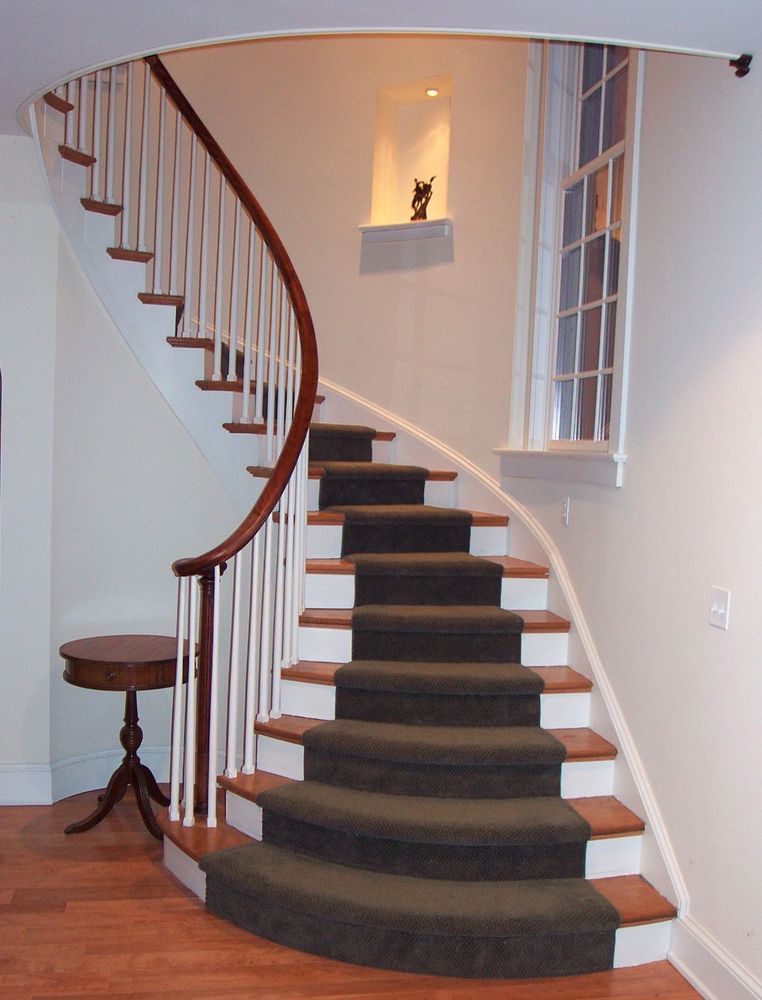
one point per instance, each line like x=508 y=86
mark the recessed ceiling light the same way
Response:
x=432 y=92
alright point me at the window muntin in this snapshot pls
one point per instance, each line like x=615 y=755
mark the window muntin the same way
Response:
x=589 y=253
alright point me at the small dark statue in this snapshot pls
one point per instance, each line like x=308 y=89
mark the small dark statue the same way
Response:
x=421 y=197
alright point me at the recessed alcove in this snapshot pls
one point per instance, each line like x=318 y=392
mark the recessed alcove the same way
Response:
x=412 y=142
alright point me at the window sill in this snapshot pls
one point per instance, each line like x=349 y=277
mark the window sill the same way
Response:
x=596 y=468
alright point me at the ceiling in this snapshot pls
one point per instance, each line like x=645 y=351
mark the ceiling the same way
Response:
x=42 y=42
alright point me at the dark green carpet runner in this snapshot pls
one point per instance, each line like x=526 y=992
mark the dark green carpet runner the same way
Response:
x=429 y=834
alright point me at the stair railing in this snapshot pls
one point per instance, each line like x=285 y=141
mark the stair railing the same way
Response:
x=211 y=252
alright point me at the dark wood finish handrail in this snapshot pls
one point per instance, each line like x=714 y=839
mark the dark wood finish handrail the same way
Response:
x=292 y=447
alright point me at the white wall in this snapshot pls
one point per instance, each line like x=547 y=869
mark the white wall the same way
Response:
x=424 y=336
x=27 y=300
x=101 y=490
x=644 y=558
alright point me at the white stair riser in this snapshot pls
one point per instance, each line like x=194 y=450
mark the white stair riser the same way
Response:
x=642 y=943
x=607 y=857
x=334 y=645
x=579 y=779
x=318 y=701
x=337 y=590
x=184 y=868
x=324 y=541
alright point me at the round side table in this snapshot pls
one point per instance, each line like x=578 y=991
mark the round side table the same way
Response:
x=128 y=663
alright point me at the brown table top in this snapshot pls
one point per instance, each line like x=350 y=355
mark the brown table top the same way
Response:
x=121 y=662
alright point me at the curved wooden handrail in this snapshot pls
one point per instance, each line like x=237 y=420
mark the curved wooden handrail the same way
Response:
x=292 y=447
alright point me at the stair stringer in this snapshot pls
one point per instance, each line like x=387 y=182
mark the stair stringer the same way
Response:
x=144 y=328
x=528 y=540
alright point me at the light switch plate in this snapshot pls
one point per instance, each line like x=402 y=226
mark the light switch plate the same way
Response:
x=719 y=608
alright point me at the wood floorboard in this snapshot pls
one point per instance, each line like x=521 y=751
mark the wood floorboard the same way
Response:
x=97 y=915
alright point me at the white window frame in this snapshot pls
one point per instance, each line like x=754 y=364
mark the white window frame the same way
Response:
x=550 y=123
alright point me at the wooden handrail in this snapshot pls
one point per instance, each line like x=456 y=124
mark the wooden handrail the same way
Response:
x=292 y=447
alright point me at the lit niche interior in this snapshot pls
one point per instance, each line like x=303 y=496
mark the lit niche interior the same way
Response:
x=412 y=141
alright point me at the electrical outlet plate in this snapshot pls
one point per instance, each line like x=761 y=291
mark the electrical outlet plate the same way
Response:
x=719 y=608
x=565 y=511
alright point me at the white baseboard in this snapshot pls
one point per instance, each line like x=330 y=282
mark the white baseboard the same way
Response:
x=708 y=967
x=25 y=785
x=43 y=784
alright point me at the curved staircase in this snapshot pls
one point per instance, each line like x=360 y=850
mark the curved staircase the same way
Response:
x=410 y=781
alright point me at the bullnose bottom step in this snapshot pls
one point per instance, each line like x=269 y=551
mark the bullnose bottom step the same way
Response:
x=518 y=929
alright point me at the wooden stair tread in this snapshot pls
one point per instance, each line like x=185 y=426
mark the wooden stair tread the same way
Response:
x=204 y=342
x=512 y=567
x=558 y=680
x=199 y=839
x=481 y=519
x=581 y=744
x=156 y=299
x=125 y=253
x=57 y=102
x=636 y=900
x=76 y=156
x=607 y=816
x=534 y=621
x=100 y=207
x=248 y=786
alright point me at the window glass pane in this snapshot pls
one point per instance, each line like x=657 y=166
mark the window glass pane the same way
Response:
x=589 y=128
x=605 y=412
x=562 y=403
x=592 y=66
x=617 y=180
x=573 y=214
x=615 y=54
x=615 y=109
x=587 y=392
x=597 y=198
x=612 y=278
x=593 y=281
x=566 y=352
x=569 y=279
x=608 y=347
x=591 y=339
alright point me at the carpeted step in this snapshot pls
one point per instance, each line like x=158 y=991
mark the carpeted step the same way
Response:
x=438 y=694
x=541 y=927
x=436 y=633
x=426 y=578
x=404 y=528
x=371 y=483
x=458 y=839
x=340 y=443
x=492 y=762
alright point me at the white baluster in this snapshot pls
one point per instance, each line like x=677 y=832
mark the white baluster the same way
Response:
x=177 y=700
x=204 y=256
x=234 y=675
x=111 y=136
x=158 y=228
x=266 y=629
x=248 y=331
x=72 y=98
x=174 y=236
x=143 y=175
x=278 y=620
x=125 y=220
x=214 y=713
x=233 y=314
x=188 y=290
x=265 y=265
x=82 y=115
x=189 y=793
x=280 y=415
x=272 y=347
x=218 y=282
x=95 y=170
x=252 y=657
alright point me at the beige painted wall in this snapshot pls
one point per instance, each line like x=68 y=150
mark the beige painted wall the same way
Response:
x=426 y=338
x=644 y=558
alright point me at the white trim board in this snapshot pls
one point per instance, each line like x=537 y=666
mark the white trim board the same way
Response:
x=709 y=967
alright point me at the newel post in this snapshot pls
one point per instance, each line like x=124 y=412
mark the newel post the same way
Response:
x=204 y=688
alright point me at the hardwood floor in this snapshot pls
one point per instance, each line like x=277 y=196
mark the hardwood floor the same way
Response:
x=97 y=915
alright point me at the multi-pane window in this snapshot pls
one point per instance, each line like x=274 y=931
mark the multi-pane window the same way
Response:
x=589 y=253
